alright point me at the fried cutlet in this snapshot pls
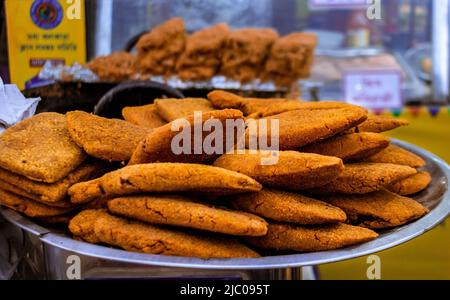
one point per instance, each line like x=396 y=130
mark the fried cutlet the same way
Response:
x=145 y=238
x=158 y=146
x=288 y=207
x=144 y=116
x=379 y=210
x=159 y=49
x=173 y=109
x=186 y=212
x=29 y=207
x=202 y=57
x=350 y=147
x=311 y=239
x=102 y=138
x=116 y=67
x=379 y=124
x=277 y=109
x=303 y=127
x=245 y=51
x=163 y=178
x=249 y=106
x=411 y=185
x=291 y=58
x=48 y=192
x=397 y=155
x=292 y=170
x=363 y=178
x=40 y=148
x=82 y=225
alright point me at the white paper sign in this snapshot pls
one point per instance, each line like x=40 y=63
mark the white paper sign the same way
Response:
x=373 y=89
x=328 y=4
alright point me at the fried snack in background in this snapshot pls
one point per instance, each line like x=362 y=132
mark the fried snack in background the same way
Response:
x=309 y=239
x=159 y=49
x=397 y=155
x=350 y=147
x=364 y=178
x=203 y=54
x=411 y=185
x=288 y=207
x=245 y=51
x=292 y=170
x=40 y=148
x=379 y=124
x=116 y=67
x=306 y=126
x=49 y=192
x=29 y=207
x=173 y=109
x=187 y=212
x=145 y=116
x=102 y=138
x=290 y=59
x=157 y=146
x=379 y=210
x=98 y=226
x=163 y=178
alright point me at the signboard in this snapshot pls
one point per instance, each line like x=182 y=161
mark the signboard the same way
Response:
x=42 y=30
x=337 y=4
x=373 y=89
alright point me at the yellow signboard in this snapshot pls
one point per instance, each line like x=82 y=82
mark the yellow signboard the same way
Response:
x=42 y=30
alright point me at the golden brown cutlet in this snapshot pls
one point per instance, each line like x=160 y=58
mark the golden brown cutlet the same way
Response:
x=102 y=138
x=379 y=210
x=350 y=147
x=364 y=178
x=187 y=212
x=173 y=109
x=396 y=155
x=145 y=116
x=287 y=207
x=306 y=126
x=49 y=192
x=292 y=170
x=163 y=178
x=157 y=146
x=98 y=226
x=314 y=238
x=411 y=185
x=40 y=148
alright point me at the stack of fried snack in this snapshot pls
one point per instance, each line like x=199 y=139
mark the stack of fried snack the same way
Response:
x=336 y=179
x=243 y=55
x=291 y=57
x=245 y=52
x=202 y=57
x=39 y=162
x=159 y=49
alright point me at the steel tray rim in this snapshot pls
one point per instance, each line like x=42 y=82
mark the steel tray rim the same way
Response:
x=384 y=242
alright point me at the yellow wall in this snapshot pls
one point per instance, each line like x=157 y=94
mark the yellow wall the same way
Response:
x=427 y=257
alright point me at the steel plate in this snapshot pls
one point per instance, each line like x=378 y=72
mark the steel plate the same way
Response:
x=436 y=198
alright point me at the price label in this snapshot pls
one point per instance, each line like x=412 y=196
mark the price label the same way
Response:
x=373 y=89
x=344 y=4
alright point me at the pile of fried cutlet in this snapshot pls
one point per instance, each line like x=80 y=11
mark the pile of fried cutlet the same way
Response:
x=337 y=180
x=243 y=55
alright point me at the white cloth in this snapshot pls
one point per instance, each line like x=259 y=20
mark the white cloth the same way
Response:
x=14 y=107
